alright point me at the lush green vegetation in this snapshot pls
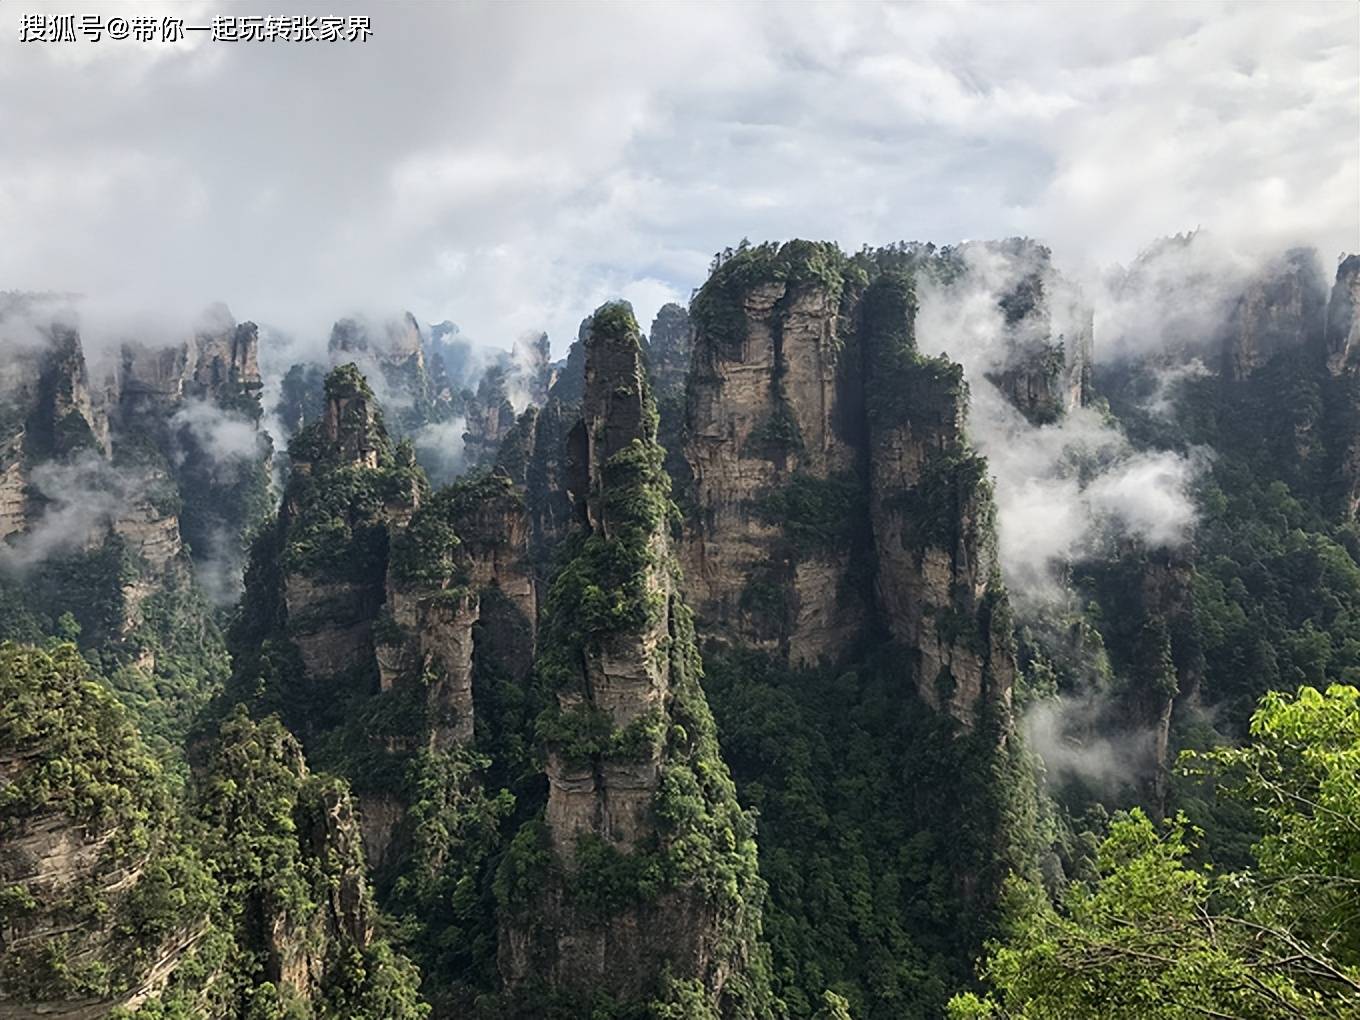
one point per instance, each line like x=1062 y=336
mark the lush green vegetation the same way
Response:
x=264 y=863
x=1153 y=935
x=617 y=581
x=883 y=832
x=818 y=515
x=79 y=767
x=718 y=310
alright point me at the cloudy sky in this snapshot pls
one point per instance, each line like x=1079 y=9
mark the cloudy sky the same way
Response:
x=511 y=166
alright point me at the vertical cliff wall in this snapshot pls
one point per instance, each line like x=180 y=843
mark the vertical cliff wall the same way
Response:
x=835 y=498
x=937 y=584
x=771 y=420
x=637 y=789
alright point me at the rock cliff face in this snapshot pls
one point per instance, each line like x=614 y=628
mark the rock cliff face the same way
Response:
x=45 y=394
x=81 y=858
x=99 y=476
x=13 y=487
x=394 y=347
x=331 y=595
x=46 y=412
x=490 y=417
x=1342 y=344
x=317 y=905
x=1281 y=309
x=190 y=413
x=835 y=495
x=629 y=732
x=1343 y=317
x=531 y=374
x=460 y=593
x=220 y=362
x=667 y=351
x=772 y=410
x=624 y=677
x=394 y=595
x=937 y=585
x=1044 y=365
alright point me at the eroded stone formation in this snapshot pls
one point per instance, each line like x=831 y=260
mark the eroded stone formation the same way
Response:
x=389 y=591
x=835 y=495
x=129 y=469
x=633 y=768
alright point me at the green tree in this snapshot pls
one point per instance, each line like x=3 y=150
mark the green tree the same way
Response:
x=1155 y=938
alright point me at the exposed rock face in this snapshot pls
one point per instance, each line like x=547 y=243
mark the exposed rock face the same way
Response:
x=351 y=421
x=297 y=947
x=60 y=456
x=490 y=417
x=75 y=852
x=1282 y=309
x=190 y=412
x=395 y=345
x=1045 y=366
x=569 y=386
x=937 y=584
x=45 y=395
x=220 y=362
x=330 y=621
x=13 y=494
x=625 y=678
x=1342 y=344
x=813 y=423
x=479 y=605
x=306 y=922
x=532 y=374
x=446 y=646
x=767 y=411
x=1170 y=650
x=628 y=671
x=667 y=351
x=1343 y=317
x=396 y=594
x=549 y=490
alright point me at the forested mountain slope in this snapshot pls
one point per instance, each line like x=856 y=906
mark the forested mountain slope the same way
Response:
x=783 y=662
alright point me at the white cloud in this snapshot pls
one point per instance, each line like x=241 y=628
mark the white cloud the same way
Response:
x=510 y=166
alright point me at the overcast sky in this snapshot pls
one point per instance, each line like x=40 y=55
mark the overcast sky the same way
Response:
x=512 y=166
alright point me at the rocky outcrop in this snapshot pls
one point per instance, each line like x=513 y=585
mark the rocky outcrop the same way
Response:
x=13 y=486
x=396 y=346
x=620 y=653
x=460 y=595
x=624 y=676
x=835 y=497
x=287 y=844
x=220 y=362
x=667 y=351
x=1283 y=308
x=45 y=394
x=79 y=933
x=531 y=372
x=1043 y=360
x=331 y=601
x=299 y=946
x=1343 y=317
x=1342 y=345
x=490 y=416
x=550 y=491
x=771 y=409
x=391 y=354
x=350 y=422
x=937 y=583
x=330 y=622
x=81 y=487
